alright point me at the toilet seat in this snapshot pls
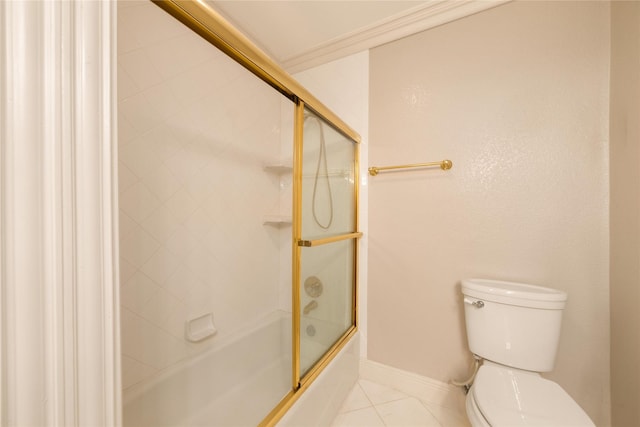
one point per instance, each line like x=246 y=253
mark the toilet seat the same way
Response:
x=511 y=397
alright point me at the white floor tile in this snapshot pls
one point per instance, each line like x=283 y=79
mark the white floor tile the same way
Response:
x=372 y=405
x=448 y=417
x=356 y=399
x=378 y=393
x=367 y=417
x=407 y=412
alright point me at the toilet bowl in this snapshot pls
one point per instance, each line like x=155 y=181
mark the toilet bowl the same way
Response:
x=515 y=329
x=501 y=396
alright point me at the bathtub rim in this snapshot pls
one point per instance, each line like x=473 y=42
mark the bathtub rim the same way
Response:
x=136 y=390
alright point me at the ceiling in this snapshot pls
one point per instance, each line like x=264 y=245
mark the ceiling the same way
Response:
x=300 y=34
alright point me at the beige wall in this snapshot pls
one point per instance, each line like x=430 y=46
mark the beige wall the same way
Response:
x=625 y=213
x=517 y=97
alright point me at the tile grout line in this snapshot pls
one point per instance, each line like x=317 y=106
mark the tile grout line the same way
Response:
x=365 y=395
x=379 y=415
x=425 y=406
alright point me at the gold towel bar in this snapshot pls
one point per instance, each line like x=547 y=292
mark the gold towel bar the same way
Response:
x=444 y=165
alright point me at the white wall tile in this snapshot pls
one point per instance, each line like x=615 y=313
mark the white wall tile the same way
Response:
x=198 y=223
x=161 y=183
x=161 y=224
x=126 y=270
x=144 y=24
x=182 y=282
x=181 y=242
x=160 y=307
x=127 y=28
x=139 y=69
x=126 y=178
x=134 y=371
x=138 y=156
x=138 y=246
x=180 y=165
x=187 y=123
x=202 y=184
x=137 y=292
x=138 y=202
x=193 y=85
x=139 y=112
x=126 y=132
x=126 y=85
x=175 y=323
x=179 y=54
x=126 y=225
x=182 y=205
x=145 y=342
x=161 y=265
x=162 y=97
x=161 y=141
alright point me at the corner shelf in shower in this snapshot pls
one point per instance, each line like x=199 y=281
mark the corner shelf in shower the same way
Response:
x=278 y=168
x=276 y=220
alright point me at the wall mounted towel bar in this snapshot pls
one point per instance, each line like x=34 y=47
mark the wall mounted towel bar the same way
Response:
x=444 y=165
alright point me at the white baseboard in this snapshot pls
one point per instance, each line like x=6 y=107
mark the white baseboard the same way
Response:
x=426 y=389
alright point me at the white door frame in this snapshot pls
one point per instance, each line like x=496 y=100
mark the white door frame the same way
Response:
x=59 y=327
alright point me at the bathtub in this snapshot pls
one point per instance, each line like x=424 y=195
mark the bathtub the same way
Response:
x=255 y=376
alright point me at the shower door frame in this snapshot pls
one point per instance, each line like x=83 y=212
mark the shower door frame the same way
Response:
x=210 y=25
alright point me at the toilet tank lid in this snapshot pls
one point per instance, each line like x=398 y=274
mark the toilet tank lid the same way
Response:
x=509 y=397
x=514 y=293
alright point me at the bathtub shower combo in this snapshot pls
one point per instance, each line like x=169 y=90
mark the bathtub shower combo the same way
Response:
x=238 y=219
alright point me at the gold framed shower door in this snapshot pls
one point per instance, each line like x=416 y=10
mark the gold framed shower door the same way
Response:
x=202 y=19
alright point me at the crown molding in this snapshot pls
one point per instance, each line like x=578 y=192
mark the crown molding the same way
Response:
x=393 y=28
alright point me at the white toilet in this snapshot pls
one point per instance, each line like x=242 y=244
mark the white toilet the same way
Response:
x=515 y=328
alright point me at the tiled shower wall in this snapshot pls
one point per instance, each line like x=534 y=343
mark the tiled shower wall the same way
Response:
x=195 y=130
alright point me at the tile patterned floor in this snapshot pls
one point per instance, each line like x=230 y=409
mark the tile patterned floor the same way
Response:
x=374 y=405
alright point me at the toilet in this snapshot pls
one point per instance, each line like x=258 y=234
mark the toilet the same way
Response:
x=515 y=328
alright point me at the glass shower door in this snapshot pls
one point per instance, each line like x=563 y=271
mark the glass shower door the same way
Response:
x=328 y=239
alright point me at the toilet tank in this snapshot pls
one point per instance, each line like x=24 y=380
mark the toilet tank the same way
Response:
x=513 y=324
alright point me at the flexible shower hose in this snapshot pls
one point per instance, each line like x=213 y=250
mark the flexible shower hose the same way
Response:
x=321 y=155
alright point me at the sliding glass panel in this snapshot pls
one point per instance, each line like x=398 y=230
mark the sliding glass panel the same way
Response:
x=328 y=183
x=327 y=278
x=205 y=189
x=328 y=210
